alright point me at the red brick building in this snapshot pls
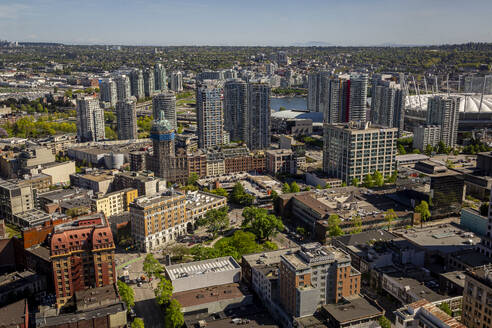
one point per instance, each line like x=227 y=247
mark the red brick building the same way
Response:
x=82 y=253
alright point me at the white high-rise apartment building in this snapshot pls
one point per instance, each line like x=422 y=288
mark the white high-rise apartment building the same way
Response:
x=160 y=78
x=424 y=135
x=165 y=102
x=444 y=111
x=123 y=88
x=137 y=83
x=149 y=81
x=210 y=120
x=177 y=81
x=107 y=92
x=90 y=120
x=126 y=115
x=358 y=97
x=388 y=104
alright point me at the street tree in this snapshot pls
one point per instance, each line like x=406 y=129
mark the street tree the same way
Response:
x=262 y=224
x=164 y=291
x=126 y=293
x=423 y=210
x=173 y=317
x=368 y=181
x=355 y=182
x=151 y=266
x=216 y=220
x=137 y=323
x=286 y=188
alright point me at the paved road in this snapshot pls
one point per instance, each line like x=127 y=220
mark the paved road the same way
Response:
x=146 y=307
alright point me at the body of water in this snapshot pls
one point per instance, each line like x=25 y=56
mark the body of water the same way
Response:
x=288 y=103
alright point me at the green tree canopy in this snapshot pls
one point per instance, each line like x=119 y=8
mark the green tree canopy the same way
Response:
x=173 y=317
x=368 y=181
x=239 y=195
x=262 y=224
x=390 y=216
x=220 y=192
x=384 y=322
x=285 y=188
x=423 y=210
x=193 y=178
x=151 y=266
x=126 y=293
x=334 y=226
x=378 y=179
x=137 y=323
x=356 y=224
x=355 y=182
x=164 y=291
x=294 y=187
x=216 y=220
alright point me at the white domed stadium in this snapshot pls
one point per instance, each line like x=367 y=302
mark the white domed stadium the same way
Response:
x=470 y=103
x=471 y=115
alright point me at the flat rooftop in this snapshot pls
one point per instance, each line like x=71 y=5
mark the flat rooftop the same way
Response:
x=444 y=238
x=352 y=309
x=211 y=294
x=144 y=201
x=198 y=198
x=267 y=258
x=190 y=269
x=314 y=253
x=456 y=277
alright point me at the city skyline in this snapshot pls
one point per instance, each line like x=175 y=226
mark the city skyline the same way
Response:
x=191 y=22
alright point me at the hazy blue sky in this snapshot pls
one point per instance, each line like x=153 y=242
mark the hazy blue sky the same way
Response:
x=247 y=22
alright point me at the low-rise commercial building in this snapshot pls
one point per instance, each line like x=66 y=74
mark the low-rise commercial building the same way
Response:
x=424 y=314
x=145 y=182
x=198 y=203
x=202 y=274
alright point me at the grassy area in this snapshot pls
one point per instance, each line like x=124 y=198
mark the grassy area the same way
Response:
x=13 y=231
x=182 y=102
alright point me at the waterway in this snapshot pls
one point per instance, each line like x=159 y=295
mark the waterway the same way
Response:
x=288 y=103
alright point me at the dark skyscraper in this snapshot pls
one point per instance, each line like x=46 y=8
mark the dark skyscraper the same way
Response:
x=236 y=109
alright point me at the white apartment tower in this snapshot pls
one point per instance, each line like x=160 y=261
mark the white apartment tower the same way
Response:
x=165 y=102
x=126 y=115
x=90 y=120
x=210 y=120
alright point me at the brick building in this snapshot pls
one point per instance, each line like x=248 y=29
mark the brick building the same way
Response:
x=82 y=253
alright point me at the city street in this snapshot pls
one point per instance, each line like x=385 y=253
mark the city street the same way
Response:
x=145 y=305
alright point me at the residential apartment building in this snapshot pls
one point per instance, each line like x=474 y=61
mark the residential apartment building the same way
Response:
x=280 y=161
x=160 y=78
x=126 y=118
x=210 y=120
x=424 y=314
x=137 y=83
x=158 y=219
x=444 y=111
x=236 y=109
x=177 y=81
x=424 y=135
x=114 y=203
x=145 y=182
x=82 y=254
x=477 y=297
x=107 y=92
x=90 y=120
x=15 y=199
x=149 y=82
x=313 y=276
x=123 y=87
x=388 y=104
x=318 y=91
x=353 y=150
x=165 y=102
x=162 y=161
x=258 y=127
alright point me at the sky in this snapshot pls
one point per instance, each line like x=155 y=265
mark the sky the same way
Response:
x=247 y=22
